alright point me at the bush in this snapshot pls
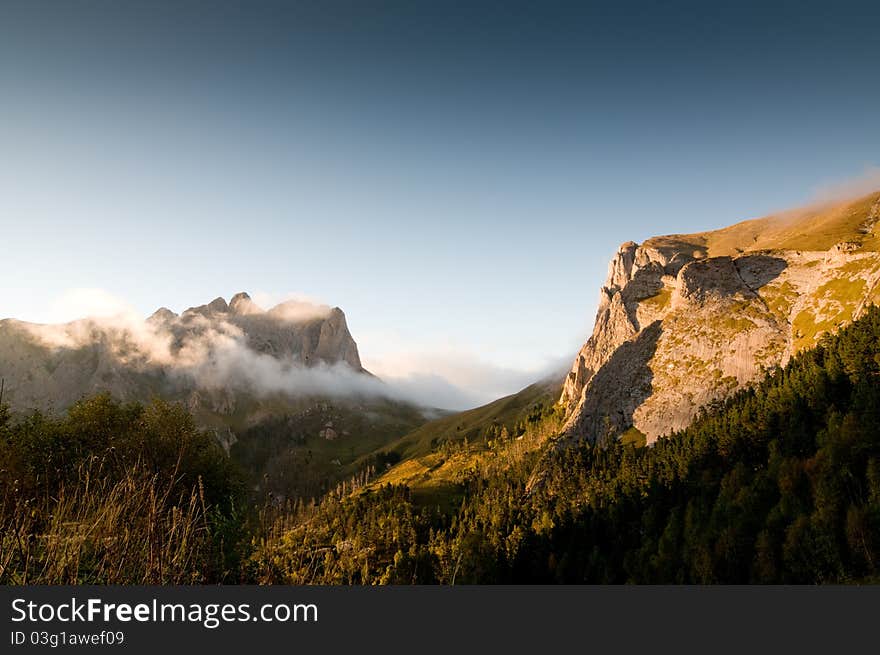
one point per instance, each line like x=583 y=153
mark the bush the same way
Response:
x=115 y=494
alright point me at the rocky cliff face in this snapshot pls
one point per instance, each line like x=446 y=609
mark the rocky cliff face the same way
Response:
x=300 y=332
x=283 y=390
x=688 y=319
x=207 y=355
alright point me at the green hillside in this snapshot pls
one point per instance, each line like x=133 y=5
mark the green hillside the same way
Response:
x=818 y=227
x=778 y=484
x=302 y=451
x=479 y=424
x=436 y=459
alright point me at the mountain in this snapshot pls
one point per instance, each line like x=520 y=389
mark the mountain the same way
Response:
x=434 y=459
x=685 y=320
x=481 y=423
x=779 y=484
x=283 y=389
x=204 y=353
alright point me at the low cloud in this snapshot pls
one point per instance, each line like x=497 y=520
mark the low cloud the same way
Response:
x=297 y=311
x=292 y=306
x=84 y=302
x=861 y=185
x=213 y=352
x=210 y=352
x=456 y=379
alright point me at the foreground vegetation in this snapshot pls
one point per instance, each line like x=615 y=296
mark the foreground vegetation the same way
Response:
x=778 y=484
x=116 y=494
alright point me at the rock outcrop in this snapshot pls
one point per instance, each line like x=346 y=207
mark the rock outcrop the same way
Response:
x=195 y=357
x=688 y=319
x=305 y=333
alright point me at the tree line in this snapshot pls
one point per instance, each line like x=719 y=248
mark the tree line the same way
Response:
x=780 y=483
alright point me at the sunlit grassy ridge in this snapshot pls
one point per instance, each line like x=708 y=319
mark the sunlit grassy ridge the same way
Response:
x=778 y=484
x=473 y=424
x=440 y=456
x=818 y=227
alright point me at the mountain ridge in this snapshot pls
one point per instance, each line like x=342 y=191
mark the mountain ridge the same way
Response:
x=49 y=366
x=685 y=320
x=282 y=390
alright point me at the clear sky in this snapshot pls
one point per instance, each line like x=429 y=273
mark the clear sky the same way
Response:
x=454 y=175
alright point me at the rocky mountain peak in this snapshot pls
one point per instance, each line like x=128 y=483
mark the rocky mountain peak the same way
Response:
x=216 y=306
x=242 y=304
x=303 y=332
x=686 y=319
x=203 y=349
x=162 y=315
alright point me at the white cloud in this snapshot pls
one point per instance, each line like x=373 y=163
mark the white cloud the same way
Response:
x=81 y=303
x=861 y=185
x=267 y=299
x=456 y=379
x=214 y=353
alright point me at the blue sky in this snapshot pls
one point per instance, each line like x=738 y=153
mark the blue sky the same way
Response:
x=455 y=176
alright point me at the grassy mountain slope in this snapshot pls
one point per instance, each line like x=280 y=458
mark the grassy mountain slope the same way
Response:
x=778 y=484
x=283 y=390
x=435 y=459
x=302 y=451
x=818 y=227
x=686 y=320
x=474 y=424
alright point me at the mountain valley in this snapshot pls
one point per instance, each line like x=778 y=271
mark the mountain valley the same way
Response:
x=720 y=424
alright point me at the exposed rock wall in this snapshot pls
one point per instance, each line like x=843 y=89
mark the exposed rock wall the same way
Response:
x=677 y=329
x=51 y=366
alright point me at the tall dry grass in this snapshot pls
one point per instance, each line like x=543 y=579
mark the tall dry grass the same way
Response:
x=99 y=529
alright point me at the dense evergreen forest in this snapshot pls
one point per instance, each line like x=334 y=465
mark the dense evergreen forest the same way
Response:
x=778 y=484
